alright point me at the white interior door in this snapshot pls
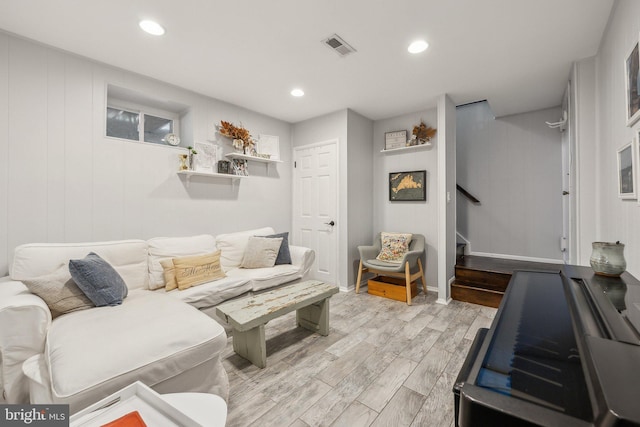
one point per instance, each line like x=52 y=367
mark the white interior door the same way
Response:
x=315 y=206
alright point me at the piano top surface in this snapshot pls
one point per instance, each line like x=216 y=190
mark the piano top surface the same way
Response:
x=539 y=353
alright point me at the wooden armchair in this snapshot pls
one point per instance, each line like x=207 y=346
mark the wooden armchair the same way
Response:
x=409 y=269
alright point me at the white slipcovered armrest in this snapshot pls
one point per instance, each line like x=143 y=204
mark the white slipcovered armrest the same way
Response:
x=30 y=319
x=303 y=257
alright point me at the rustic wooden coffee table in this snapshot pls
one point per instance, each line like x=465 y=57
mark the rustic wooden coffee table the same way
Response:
x=247 y=316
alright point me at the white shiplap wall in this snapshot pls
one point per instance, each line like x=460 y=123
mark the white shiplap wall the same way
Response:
x=616 y=219
x=61 y=180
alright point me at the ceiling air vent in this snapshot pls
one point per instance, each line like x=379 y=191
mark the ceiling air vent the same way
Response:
x=338 y=45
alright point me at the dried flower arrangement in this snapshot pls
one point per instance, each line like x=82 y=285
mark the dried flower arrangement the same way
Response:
x=237 y=133
x=423 y=133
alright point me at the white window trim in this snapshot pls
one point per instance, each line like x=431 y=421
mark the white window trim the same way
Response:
x=141 y=110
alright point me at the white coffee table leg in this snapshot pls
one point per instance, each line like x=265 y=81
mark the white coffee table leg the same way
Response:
x=315 y=317
x=251 y=345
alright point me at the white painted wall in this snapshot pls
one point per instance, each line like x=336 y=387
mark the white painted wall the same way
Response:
x=413 y=217
x=513 y=166
x=61 y=180
x=616 y=219
x=360 y=183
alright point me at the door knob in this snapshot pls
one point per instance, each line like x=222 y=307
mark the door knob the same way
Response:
x=332 y=223
x=565 y=193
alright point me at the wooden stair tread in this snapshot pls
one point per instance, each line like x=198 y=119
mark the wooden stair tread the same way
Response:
x=483 y=280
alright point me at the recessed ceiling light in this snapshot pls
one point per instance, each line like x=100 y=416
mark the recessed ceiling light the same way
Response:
x=152 y=27
x=418 y=46
x=297 y=93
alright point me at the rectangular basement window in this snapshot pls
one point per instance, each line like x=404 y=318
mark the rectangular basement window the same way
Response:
x=136 y=117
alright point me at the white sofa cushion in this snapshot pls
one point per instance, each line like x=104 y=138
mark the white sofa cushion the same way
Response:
x=263 y=278
x=127 y=257
x=233 y=246
x=149 y=338
x=212 y=293
x=161 y=248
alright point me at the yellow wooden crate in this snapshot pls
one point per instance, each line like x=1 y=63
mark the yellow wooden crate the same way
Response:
x=390 y=287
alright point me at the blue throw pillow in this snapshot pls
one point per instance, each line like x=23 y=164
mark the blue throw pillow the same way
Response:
x=284 y=255
x=99 y=281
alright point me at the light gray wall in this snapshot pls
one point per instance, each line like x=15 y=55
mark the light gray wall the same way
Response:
x=360 y=181
x=616 y=219
x=513 y=166
x=447 y=200
x=412 y=217
x=61 y=180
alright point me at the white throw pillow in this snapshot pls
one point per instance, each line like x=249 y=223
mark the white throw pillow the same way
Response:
x=233 y=246
x=166 y=248
x=261 y=252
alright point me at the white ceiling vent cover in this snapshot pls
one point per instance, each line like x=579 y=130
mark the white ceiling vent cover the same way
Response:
x=338 y=45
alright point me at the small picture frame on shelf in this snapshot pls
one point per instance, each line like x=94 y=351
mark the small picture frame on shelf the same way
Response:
x=223 y=166
x=395 y=139
x=626 y=172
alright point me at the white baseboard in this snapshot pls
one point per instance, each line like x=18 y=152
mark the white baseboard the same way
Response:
x=518 y=257
x=443 y=301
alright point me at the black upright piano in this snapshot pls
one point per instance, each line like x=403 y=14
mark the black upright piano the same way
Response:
x=563 y=350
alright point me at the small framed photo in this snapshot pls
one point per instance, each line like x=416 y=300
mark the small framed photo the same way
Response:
x=408 y=186
x=632 y=84
x=626 y=171
x=395 y=139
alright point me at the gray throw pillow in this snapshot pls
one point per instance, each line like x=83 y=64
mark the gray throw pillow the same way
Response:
x=284 y=254
x=59 y=292
x=99 y=281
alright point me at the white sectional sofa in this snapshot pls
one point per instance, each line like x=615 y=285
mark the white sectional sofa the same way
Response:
x=160 y=338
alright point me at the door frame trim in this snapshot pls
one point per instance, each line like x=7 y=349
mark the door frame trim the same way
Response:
x=335 y=141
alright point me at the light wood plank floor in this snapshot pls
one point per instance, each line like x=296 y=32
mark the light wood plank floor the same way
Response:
x=383 y=364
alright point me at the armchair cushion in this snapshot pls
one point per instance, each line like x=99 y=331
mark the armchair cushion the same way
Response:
x=394 y=247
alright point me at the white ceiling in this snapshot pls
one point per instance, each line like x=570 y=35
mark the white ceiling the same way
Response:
x=515 y=53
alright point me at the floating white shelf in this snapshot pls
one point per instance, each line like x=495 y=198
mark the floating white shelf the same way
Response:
x=188 y=174
x=251 y=158
x=411 y=147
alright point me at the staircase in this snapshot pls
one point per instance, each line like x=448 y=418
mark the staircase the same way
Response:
x=483 y=280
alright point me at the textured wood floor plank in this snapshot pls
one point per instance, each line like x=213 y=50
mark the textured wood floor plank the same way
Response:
x=326 y=410
x=356 y=415
x=426 y=374
x=294 y=405
x=401 y=410
x=244 y=409
x=438 y=407
x=340 y=368
x=378 y=394
x=421 y=344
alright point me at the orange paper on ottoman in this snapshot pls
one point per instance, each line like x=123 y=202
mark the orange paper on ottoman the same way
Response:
x=132 y=419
